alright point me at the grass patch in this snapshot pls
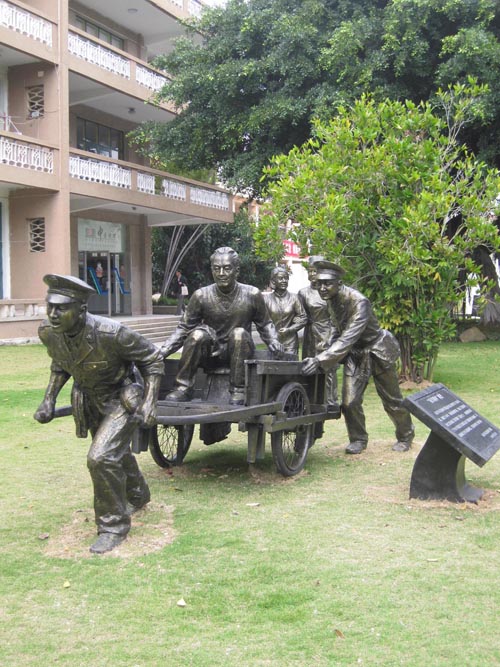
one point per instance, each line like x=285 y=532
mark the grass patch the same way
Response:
x=335 y=566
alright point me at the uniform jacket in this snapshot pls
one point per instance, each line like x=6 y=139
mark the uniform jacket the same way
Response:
x=319 y=330
x=359 y=331
x=102 y=356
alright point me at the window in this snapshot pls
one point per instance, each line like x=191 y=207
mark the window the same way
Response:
x=94 y=30
x=99 y=139
x=37 y=234
x=36 y=101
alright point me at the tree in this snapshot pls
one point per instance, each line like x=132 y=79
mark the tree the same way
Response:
x=249 y=87
x=377 y=189
x=168 y=243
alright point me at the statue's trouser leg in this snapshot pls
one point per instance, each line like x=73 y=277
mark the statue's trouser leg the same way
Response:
x=197 y=347
x=137 y=490
x=332 y=395
x=110 y=465
x=386 y=382
x=240 y=347
x=353 y=389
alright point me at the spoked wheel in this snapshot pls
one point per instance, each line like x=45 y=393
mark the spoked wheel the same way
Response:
x=169 y=444
x=290 y=446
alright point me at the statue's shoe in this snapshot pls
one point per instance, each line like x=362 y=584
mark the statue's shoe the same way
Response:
x=138 y=503
x=179 y=395
x=237 y=397
x=401 y=446
x=106 y=542
x=355 y=447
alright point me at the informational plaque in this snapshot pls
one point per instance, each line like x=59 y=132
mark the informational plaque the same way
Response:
x=457 y=431
x=456 y=422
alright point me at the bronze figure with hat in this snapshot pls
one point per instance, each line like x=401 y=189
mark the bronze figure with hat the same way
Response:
x=103 y=357
x=366 y=350
x=319 y=331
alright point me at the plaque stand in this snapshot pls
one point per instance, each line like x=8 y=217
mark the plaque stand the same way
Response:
x=439 y=474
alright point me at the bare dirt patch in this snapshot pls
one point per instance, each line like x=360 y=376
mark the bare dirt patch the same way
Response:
x=152 y=530
x=408 y=385
x=398 y=494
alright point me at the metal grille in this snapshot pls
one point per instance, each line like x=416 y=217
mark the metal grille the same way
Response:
x=36 y=104
x=37 y=235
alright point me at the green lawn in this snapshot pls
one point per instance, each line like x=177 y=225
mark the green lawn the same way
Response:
x=333 y=567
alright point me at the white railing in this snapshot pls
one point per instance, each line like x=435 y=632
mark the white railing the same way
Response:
x=173 y=189
x=149 y=79
x=146 y=183
x=109 y=173
x=26 y=156
x=26 y=23
x=98 y=55
x=195 y=8
x=210 y=198
x=100 y=172
x=20 y=308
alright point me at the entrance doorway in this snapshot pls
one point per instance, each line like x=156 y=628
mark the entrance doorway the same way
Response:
x=107 y=273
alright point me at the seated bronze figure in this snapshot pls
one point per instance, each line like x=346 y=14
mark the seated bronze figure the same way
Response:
x=216 y=328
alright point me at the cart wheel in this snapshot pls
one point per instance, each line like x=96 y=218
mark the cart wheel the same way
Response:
x=290 y=446
x=169 y=444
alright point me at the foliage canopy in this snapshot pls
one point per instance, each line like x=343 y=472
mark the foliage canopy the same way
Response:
x=254 y=270
x=386 y=189
x=263 y=69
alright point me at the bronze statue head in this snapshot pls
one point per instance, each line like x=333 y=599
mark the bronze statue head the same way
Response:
x=66 y=299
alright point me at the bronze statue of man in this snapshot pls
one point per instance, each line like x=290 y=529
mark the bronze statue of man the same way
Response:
x=319 y=331
x=285 y=309
x=216 y=329
x=365 y=349
x=102 y=357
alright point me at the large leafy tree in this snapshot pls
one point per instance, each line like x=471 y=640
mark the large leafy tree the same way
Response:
x=386 y=189
x=195 y=264
x=263 y=69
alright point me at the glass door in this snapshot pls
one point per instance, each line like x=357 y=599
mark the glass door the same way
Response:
x=120 y=285
x=94 y=269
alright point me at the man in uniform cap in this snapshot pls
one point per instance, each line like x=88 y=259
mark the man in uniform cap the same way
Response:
x=365 y=349
x=102 y=356
x=319 y=331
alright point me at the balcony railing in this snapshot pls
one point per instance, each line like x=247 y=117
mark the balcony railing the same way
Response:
x=210 y=198
x=99 y=171
x=195 y=8
x=25 y=22
x=113 y=62
x=11 y=309
x=97 y=55
x=149 y=79
x=26 y=156
x=174 y=189
x=110 y=173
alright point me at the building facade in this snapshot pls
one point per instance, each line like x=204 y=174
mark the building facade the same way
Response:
x=75 y=198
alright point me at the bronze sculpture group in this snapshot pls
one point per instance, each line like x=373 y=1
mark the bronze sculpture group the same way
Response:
x=117 y=372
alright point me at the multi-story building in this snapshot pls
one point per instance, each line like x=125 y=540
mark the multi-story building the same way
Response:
x=75 y=198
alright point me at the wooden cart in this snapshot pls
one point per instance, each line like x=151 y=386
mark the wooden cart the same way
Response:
x=279 y=400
